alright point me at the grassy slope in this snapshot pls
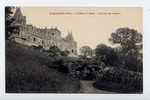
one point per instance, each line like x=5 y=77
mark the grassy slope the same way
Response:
x=26 y=72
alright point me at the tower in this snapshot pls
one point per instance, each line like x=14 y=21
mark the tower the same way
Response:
x=18 y=17
x=69 y=37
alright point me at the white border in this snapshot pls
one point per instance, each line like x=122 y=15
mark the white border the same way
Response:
x=98 y=3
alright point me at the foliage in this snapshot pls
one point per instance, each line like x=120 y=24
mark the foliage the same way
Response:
x=130 y=46
x=27 y=72
x=83 y=69
x=128 y=39
x=130 y=63
x=55 y=51
x=9 y=28
x=88 y=69
x=106 y=54
x=65 y=53
x=119 y=80
x=86 y=51
x=78 y=68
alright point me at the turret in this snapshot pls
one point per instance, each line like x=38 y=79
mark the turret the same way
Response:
x=69 y=36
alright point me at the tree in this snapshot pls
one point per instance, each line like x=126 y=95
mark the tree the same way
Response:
x=65 y=53
x=9 y=19
x=106 y=54
x=131 y=45
x=9 y=28
x=128 y=40
x=86 y=51
x=54 y=51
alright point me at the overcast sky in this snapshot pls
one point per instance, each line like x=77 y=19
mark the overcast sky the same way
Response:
x=93 y=27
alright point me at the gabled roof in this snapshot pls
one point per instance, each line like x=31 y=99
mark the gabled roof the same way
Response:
x=18 y=13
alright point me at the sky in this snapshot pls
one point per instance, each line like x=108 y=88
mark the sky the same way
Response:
x=89 y=25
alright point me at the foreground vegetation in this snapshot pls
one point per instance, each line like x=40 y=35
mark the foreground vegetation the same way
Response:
x=29 y=69
x=110 y=78
x=27 y=72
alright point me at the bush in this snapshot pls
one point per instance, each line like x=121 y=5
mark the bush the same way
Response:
x=106 y=54
x=53 y=51
x=65 y=53
x=116 y=58
x=131 y=63
x=80 y=68
x=27 y=72
x=120 y=80
x=107 y=77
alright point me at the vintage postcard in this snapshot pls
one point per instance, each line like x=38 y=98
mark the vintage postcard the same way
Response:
x=74 y=50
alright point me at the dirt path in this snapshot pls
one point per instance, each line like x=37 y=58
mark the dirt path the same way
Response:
x=87 y=87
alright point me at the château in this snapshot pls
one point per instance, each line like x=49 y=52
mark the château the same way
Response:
x=45 y=37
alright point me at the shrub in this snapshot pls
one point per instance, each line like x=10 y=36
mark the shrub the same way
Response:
x=119 y=80
x=106 y=54
x=27 y=72
x=65 y=53
x=131 y=63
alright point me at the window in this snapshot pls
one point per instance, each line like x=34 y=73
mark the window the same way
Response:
x=34 y=39
x=23 y=38
x=42 y=42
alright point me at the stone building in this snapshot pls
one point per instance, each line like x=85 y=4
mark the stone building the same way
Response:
x=45 y=37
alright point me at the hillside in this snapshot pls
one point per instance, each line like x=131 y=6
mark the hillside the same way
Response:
x=27 y=72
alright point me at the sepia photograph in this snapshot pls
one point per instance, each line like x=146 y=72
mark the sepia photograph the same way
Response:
x=94 y=50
